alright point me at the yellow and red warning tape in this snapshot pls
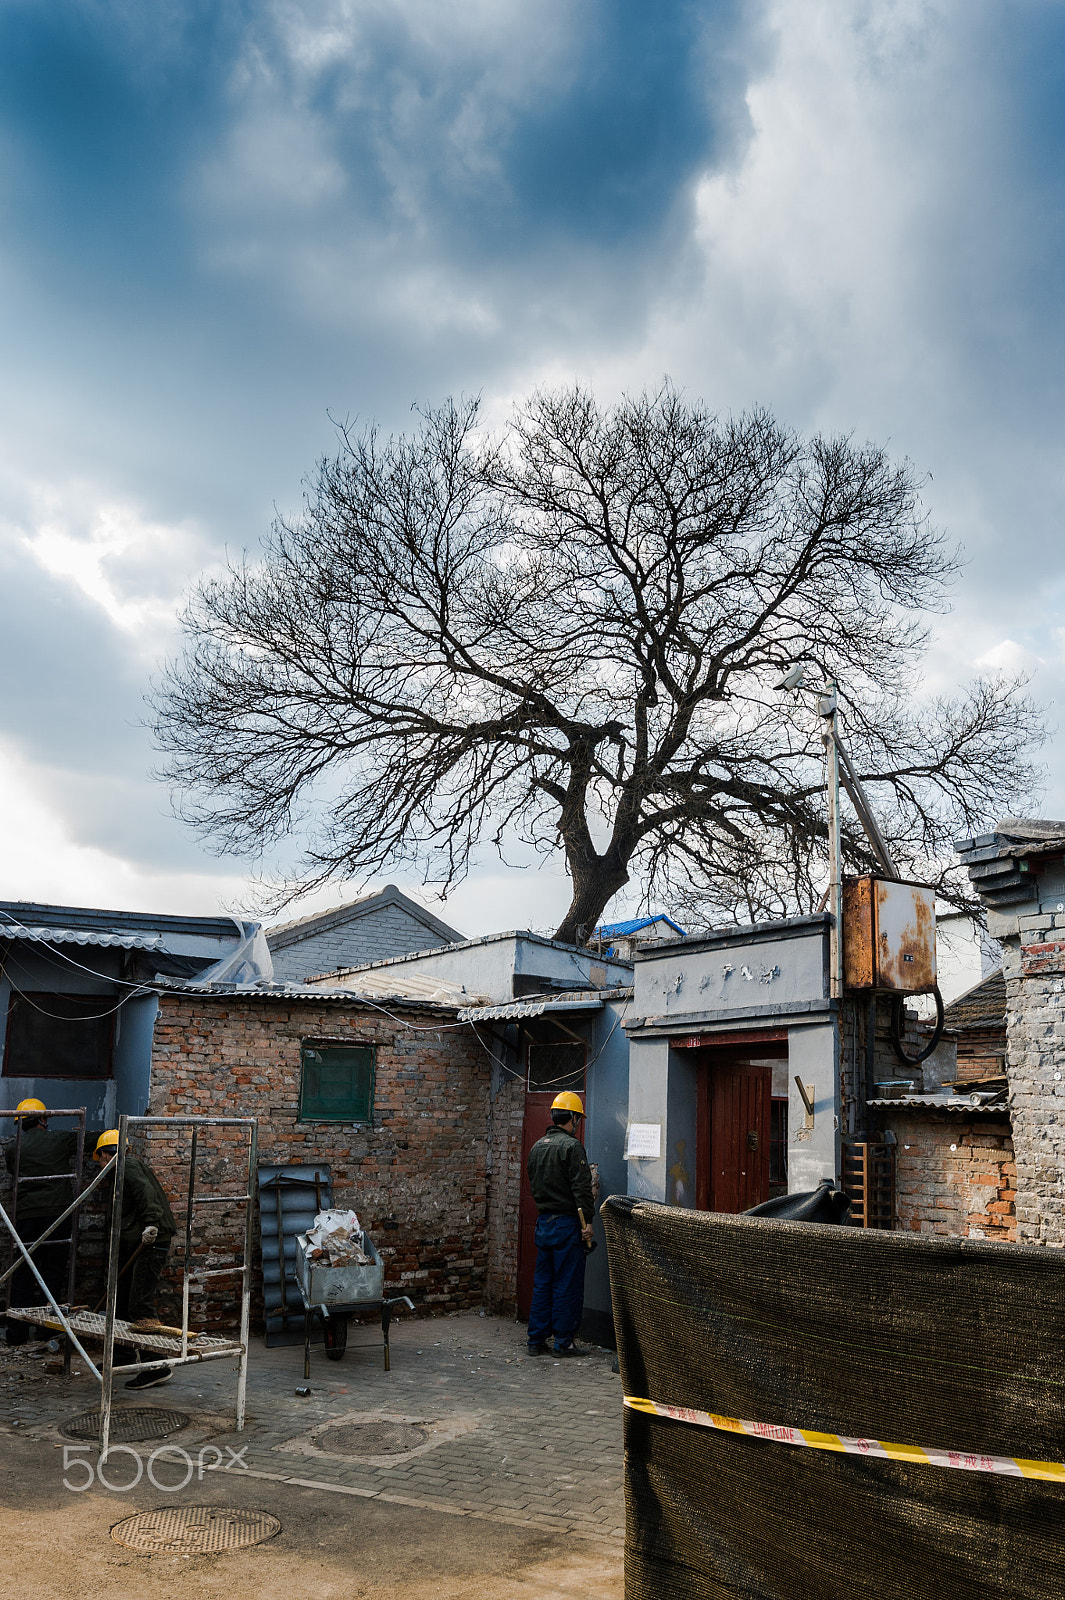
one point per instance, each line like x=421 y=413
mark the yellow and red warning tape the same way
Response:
x=962 y=1460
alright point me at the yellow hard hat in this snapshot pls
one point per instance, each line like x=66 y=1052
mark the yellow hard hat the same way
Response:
x=568 y=1101
x=106 y=1139
x=31 y=1105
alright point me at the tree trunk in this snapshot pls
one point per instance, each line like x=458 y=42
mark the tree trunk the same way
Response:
x=593 y=889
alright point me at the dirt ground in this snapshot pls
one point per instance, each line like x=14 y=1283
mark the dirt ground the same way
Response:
x=330 y=1547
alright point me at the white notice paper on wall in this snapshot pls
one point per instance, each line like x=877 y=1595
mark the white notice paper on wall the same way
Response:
x=643 y=1141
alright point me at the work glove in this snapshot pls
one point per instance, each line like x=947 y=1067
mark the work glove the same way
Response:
x=149 y=1235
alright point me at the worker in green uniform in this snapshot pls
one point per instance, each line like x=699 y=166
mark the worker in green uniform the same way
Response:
x=561 y=1184
x=42 y=1153
x=148 y=1227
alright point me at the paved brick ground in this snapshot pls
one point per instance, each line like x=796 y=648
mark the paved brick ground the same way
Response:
x=529 y=1441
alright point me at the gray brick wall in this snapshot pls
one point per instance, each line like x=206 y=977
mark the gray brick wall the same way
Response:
x=374 y=936
x=1035 y=1032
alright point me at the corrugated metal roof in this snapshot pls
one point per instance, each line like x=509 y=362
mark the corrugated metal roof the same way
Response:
x=83 y=936
x=297 y=991
x=979 y=1100
x=509 y=1011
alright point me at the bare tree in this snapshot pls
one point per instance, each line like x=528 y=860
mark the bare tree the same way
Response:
x=571 y=633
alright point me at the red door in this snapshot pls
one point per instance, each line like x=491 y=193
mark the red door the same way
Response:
x=537 y=1122
x=734 y=1134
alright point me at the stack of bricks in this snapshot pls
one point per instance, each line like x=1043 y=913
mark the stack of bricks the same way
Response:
x=418 y=1176
x=954 y=1176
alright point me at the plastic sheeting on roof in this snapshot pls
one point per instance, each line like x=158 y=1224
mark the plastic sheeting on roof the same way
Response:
x=513 y=1009
x=95 y=936
x=622 y=930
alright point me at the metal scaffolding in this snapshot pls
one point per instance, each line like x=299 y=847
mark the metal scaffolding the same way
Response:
x=74 y=1178
x=170 y=1347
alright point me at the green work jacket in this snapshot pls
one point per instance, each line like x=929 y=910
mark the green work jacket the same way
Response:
x=43 y=1152
x=144 y=1204
x=559 y=1176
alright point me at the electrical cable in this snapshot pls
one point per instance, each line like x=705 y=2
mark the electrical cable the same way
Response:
x=896 y=1029
x=56 y=1016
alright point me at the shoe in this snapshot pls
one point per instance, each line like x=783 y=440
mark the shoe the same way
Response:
x=536 y=1349
x=149 y=1379
x=564 y=1350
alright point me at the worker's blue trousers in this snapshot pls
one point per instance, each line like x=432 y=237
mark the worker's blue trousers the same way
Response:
x=558 y=1286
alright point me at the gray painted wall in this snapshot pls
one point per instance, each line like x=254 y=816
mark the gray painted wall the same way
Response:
x=37 y=969
x=769 y=977
x=606 y=1101
x=488 y=967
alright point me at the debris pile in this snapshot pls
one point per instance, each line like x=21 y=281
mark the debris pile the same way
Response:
x=337 y=1240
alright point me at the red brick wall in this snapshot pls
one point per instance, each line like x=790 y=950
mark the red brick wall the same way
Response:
x=968 y=1191
x=504 y=1194
x=419 y=1178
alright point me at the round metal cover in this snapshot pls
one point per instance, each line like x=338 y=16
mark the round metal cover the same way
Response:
x=129 y=1425
x=194 y=1530
x=380 y=1438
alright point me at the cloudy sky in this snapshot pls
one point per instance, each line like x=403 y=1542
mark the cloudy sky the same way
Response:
x=225 y=220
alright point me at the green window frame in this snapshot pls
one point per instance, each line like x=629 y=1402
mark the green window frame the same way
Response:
x=336 y=1081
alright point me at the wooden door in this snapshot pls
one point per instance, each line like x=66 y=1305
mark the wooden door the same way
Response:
x=734 y=1134
x=537 y=1121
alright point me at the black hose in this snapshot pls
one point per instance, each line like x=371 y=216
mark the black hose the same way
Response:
x=896 y=1029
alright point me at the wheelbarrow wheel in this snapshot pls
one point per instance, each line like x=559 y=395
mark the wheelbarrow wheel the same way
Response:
x=335 y=1336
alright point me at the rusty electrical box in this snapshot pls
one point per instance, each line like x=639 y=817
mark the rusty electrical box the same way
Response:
x=889 y=936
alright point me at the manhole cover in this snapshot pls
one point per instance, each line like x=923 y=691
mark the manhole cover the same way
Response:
x=129 y=1425
x=194 y=1530
x=371 y=1438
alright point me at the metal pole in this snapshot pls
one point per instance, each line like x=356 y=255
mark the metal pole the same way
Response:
x=72 y=1259
x=853 y=785
x=245 y=1292
x=188 y=1246
x=14 y=1207
x=27 y=1257
x=829 y=714
x=119 y=1161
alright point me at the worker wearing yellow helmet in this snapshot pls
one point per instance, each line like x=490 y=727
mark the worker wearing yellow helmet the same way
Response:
x=561 y=1184
x=148 y=1227
x=40 y=1153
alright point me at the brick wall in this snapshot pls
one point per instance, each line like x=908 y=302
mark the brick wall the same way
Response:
x=954 y=1176
x=1034 y=963
x=373 y=936
x=419 y=1178
x=504 y=1192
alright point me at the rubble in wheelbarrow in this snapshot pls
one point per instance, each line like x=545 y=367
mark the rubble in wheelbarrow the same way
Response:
x=337 y=1240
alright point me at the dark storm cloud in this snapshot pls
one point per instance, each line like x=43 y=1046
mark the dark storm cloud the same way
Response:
x=108 y=109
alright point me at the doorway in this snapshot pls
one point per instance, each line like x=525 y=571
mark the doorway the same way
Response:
x=735 y=1125
x=550 y=1066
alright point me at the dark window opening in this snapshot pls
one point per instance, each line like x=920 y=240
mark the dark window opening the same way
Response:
x=778 y=1143
x=556 y=1066
x=336 y=1082
x=59 y=1036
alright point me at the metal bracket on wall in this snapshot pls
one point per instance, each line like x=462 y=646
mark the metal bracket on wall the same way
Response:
x=806 y=1094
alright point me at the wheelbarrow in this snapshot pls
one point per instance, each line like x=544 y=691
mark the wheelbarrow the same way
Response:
x=333 y=1294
